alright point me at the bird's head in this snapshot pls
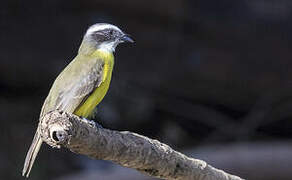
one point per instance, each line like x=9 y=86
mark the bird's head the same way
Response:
x=105 y=36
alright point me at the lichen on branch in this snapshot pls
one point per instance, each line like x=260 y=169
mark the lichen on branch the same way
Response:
x=128 y=149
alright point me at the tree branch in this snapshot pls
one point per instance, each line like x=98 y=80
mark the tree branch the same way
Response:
x=125 y=148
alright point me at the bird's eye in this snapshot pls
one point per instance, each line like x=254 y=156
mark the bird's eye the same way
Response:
x=111 y=32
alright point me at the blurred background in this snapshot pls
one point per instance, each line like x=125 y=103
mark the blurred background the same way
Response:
x=210 y=78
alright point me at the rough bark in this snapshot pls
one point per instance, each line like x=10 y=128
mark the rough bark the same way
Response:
x=128 y=149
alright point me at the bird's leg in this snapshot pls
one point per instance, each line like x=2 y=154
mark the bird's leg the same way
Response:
x=91 y=122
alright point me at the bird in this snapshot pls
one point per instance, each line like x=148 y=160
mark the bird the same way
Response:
x=84 y=82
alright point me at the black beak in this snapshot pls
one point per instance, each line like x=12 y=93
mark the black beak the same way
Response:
x=126 y=38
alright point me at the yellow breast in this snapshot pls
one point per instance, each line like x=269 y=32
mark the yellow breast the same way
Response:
x=87 y=108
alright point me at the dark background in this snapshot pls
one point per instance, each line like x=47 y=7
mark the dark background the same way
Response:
x=210 y=78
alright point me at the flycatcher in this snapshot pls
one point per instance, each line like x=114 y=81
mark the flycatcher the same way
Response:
x=81 y=86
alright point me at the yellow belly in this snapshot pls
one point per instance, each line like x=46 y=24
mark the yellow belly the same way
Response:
x=87 y=108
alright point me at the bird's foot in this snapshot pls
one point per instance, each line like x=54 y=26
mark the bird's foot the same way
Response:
x=91 y=122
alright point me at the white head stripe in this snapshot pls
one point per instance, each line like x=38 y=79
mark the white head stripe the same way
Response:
x=101 y=26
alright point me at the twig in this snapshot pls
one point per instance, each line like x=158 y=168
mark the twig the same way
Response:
x=125 y=148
